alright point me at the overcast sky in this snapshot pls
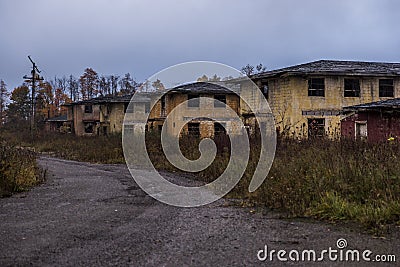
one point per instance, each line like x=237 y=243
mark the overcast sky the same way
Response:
x=143 y=37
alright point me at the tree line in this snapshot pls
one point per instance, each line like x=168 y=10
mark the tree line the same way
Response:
x=51 y=95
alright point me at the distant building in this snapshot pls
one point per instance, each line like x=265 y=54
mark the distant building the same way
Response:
x=58 y=124
x=98 y=116
x=376 y=121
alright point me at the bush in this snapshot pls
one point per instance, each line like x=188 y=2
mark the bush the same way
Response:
x=18 y=170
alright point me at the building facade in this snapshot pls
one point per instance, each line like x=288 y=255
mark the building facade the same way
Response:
x=98 y=116
x=308 y=99
x=375 y=122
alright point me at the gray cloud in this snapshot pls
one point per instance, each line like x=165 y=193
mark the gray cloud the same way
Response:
x=143 y=37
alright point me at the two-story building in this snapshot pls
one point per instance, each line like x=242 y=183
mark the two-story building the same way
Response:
x=98 y=116
x=307 y=99
x=191 y=106
x=105 y=115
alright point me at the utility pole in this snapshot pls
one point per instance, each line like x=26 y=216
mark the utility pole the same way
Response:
x=35 y=77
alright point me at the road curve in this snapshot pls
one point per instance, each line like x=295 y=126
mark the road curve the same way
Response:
x=95 y=215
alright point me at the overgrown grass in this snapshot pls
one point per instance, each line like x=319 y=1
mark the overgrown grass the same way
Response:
x=324 y=179
x=99 y=149
x=332 y=180
x=18 y=170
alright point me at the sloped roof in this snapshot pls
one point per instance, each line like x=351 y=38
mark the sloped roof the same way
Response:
x=390 y=104
x=201 y=87
x=196 y=88
x=104 y=99
x=336 y=67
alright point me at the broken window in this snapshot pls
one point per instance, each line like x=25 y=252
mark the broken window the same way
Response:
x=219 y=129
x=193 y=101
x=194 y=129
x=316 y=127
x=386 y=88
x=316 y=87
x=218 y=99
x=351 y=87
x=361 y=130
x=89 y=127
x=88 y=108
x=265 y=90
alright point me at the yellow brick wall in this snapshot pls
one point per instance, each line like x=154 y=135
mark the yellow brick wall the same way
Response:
x=116 y=117
x=173 y=100
x=288 y=98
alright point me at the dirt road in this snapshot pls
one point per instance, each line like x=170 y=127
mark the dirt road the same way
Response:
x=95 y=215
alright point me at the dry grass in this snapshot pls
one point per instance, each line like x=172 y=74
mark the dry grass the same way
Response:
x=330 y=180
x=18 y=170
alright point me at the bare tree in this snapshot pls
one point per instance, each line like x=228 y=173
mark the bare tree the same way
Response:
x=114 y=84
x=73 y=88
x=128 y=84
x=3 y=99
x=249 y=70
x=104 y=85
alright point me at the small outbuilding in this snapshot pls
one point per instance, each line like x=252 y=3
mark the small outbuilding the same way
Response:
x=375 y=121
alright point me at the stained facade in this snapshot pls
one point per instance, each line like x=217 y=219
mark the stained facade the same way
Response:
x=375 y=122
x=308 y=99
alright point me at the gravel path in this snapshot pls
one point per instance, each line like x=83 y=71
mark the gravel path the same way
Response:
x=95 y=215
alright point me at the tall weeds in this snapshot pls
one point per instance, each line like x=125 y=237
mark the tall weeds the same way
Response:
x=331 y=180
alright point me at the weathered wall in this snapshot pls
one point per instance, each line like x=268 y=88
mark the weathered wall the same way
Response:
x=292 y=107
x=380 y=126
x=80 y=118
x=179 y=118
x=116 y=117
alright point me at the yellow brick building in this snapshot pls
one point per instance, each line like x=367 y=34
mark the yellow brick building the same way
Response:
x=307 y=99
x=192 y=106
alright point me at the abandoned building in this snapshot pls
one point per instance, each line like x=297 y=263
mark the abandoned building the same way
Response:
x=201 y=98
x=105 y=115
x=58 y=124
x=375 y=122
x=308 y=99
x=98 y=116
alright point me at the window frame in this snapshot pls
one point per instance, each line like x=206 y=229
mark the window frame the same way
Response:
x=193 y=101
x=319 y=131
x=88 y=109
x=312 y=90
x=191 y=126
x=221 y=98
x=383 y=88
x=351 y=87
